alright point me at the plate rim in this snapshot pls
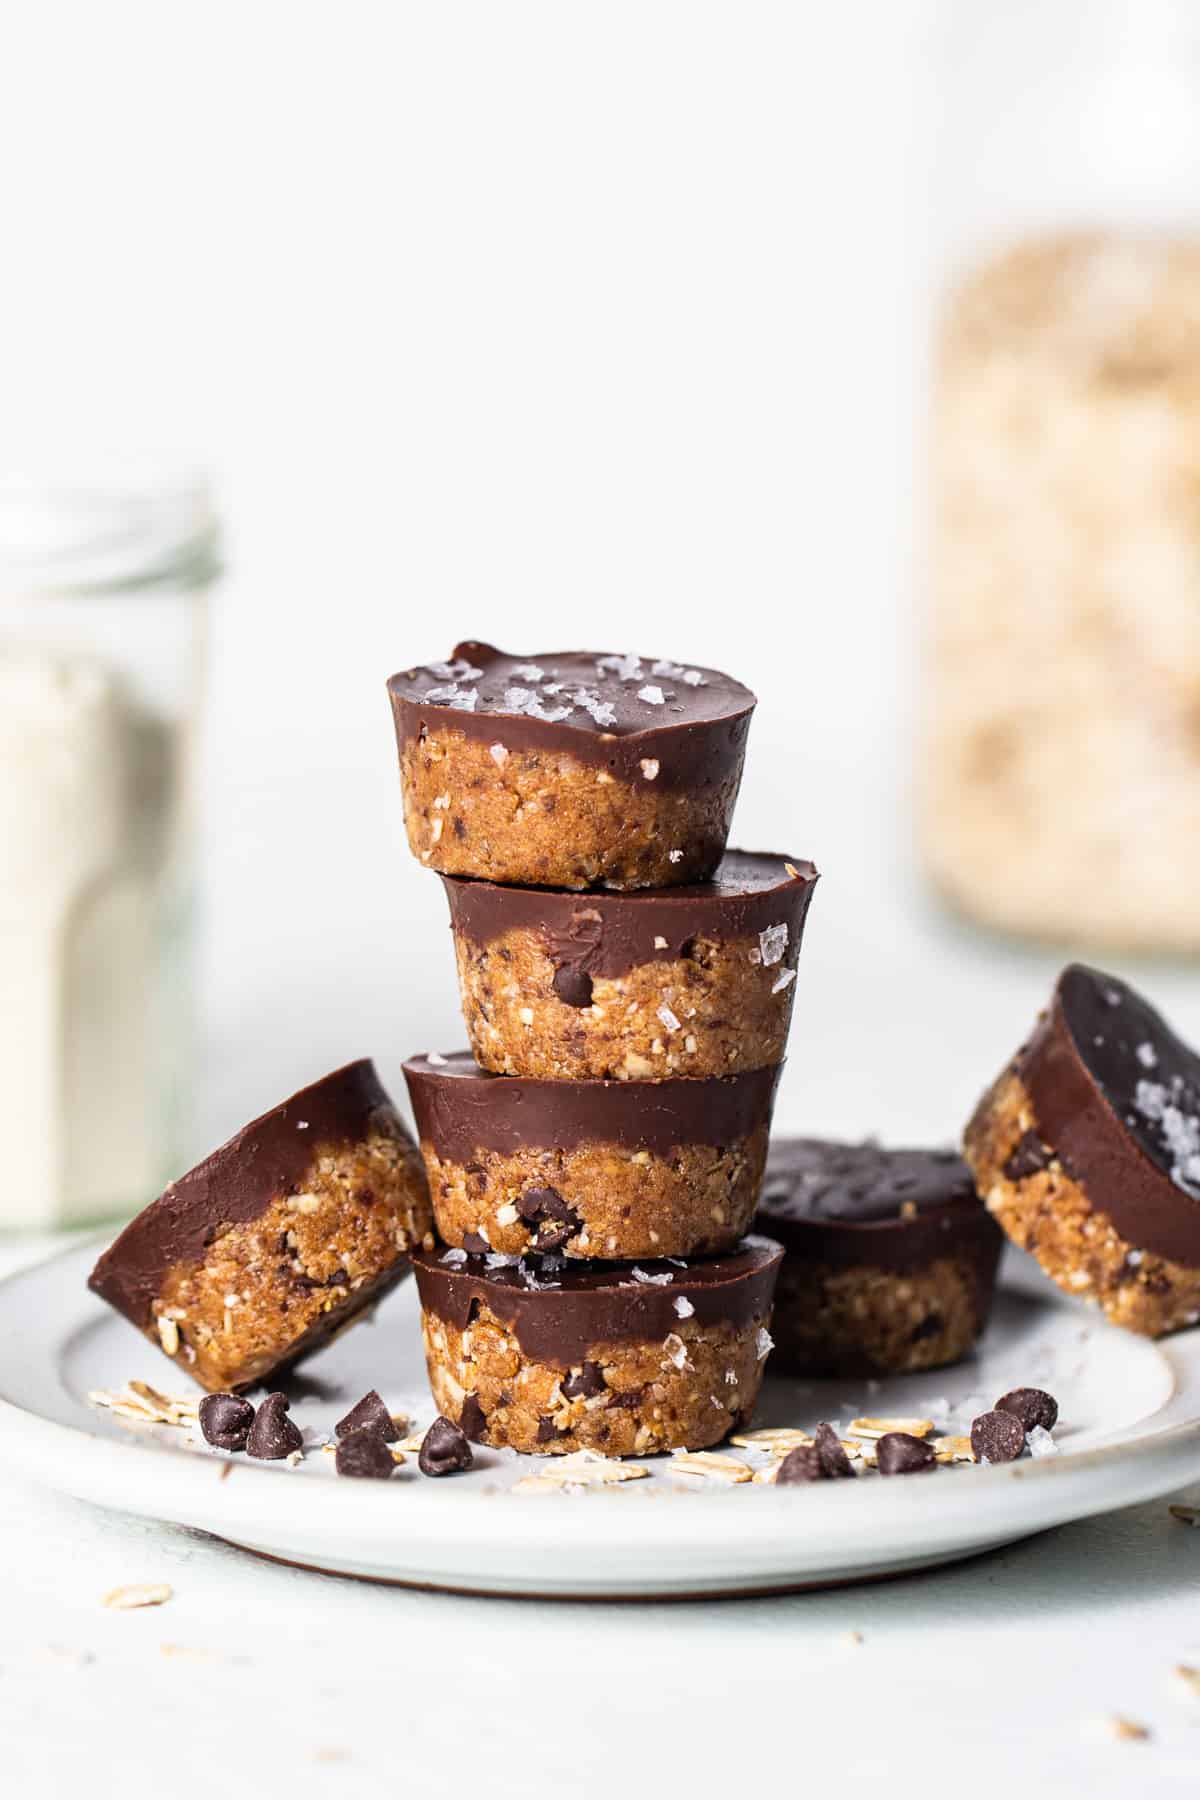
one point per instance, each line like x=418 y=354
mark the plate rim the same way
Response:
x=1017 y=1498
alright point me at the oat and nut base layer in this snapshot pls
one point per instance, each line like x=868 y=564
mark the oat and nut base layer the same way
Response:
x=548 y=819
x=600 y=1200
x=1048 y=1213
x=864 y=1320
x=270 y=1290
x=713 y=1012
x=629 y=1399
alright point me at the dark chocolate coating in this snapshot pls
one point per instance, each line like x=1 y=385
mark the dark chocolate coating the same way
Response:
x=606 y=934
x=697 y=735
x=1084 y=1076
x=595 y=1303
x=460 y=1109
x=267 y=1158
x=840 y=1204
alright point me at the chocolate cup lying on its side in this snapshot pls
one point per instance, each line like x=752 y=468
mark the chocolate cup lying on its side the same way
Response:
x=279 y=1239
x=1087 y=1151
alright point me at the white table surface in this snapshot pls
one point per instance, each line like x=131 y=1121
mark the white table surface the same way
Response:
x=993 y=1674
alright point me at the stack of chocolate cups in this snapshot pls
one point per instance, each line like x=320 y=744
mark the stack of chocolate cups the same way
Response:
x=595 y=1159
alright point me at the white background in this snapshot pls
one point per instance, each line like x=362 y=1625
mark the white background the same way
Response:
x=557 y=324
x=553 y=324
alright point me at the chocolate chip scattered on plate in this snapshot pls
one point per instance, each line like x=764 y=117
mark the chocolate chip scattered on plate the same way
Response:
x=369 y=1414
x=899 y=1453
x=364 y=1454
x=835 y=1464
x=445 y=1450
x=225 y=1420
x=801 y=1464
x=997 y=1437
x=273 y=1435
x=1033 y=1406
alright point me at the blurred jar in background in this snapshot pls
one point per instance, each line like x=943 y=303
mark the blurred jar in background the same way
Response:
x=102 y=599
x=1060 y=760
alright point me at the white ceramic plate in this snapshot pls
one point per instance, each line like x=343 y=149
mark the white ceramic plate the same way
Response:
x=1129 y=1430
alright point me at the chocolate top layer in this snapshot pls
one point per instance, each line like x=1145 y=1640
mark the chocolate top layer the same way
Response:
x=561 y=1310
x=267 y=1158
x=860 y=1184
x=861 y=1205
x=613 y=711
x=460 y=1109
x=607 y=934
x=1117 y=1096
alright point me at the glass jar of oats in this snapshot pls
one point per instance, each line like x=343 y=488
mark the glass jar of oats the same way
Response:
x=1059 y=770
x=103 y=584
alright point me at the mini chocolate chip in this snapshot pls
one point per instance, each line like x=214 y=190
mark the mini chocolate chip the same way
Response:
x=1033 y=1406
x=273 y=1434
x=573 y=986
x=444 y=1449
x=472 y=1419
x=929 y=1327
x=583 y=1383
x=631 y=1398
x=370 y=1414
x=799 y=1465
x=834 y=1461
x=474 y=1244
x=365 y=1455
x=547 y=1430
x=553 y=1220
x=899 y=1453
x=225 y=1420
x=997 y=1437
x=1029 y=1158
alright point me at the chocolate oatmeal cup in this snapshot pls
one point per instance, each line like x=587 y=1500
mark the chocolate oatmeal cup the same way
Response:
x=1087 y=1151
x=548 y=1356
x=890 y=1257
x=611 y=1169
x=696 y=980
x=278 y=1240
x=572 y=769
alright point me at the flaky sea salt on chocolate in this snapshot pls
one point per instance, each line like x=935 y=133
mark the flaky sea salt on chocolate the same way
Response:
x=458 y=670
x=625 y=668
x=772 y=943
x=460 y=700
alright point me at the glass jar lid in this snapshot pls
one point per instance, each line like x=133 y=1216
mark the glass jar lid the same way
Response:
x=120 y=525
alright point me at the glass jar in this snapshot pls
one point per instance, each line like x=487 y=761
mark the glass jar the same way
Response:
x=1060 y=753
x=103 y=586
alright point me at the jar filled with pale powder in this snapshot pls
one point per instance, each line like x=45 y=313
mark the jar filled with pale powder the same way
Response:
x=1059 y=769
x=103 y=586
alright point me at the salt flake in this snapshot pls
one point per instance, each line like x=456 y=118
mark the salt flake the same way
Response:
x=663 y=1280
x=772 y=943
x=453 y=697
x=653 y=696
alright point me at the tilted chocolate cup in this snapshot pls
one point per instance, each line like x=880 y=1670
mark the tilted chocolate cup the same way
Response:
x=571 y=769
x=696 y=980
